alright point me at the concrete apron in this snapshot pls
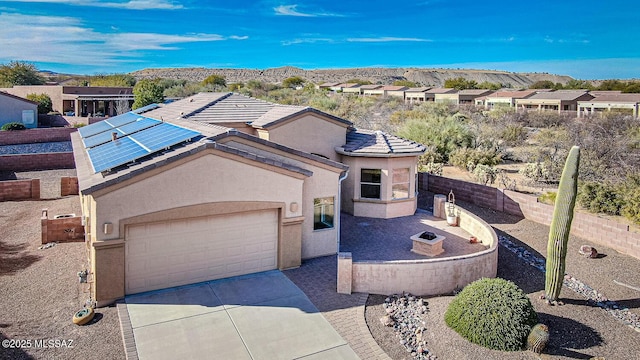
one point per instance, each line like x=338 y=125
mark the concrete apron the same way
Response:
x=257 y=316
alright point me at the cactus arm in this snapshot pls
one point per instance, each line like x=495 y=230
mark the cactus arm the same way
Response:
x=561 y=225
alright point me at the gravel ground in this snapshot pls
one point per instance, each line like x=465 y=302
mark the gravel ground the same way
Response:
x=578 y=329
x=40 y=292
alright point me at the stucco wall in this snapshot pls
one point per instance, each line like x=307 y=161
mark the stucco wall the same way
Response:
x=587 y=226
x=423 y=277
x=311 y=134
x=54 y=92
x=385 y=207
x=204 y=179
x=11 y=110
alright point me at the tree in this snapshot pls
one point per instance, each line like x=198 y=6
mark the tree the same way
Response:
x=460 y=83
x=293 y=82
x=214 y=81
x=45 y=105
x=542 y=84
x=406 y=83
x=122 y=106
x=489 y=85
x=147 y=92
x=359 y=82
x=115 y=80
x=20 y=73
x=578 y=85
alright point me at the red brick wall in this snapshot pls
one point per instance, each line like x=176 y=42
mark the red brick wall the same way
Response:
x=45 y=161
x=599 y=230
x=35 y=136
x=20 y=190
x=62 y=230
x=69 y=186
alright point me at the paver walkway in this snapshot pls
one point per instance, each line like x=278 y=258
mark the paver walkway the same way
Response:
x=317 y=279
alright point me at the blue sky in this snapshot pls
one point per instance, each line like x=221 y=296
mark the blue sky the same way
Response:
x=584 y=39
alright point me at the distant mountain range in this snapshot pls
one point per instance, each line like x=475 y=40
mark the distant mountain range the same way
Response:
x=422 y=76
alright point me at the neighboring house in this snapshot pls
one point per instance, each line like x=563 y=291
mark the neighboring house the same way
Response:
x=560 y=100
x=430 y=95
x=371 y=90
x=393 y=90
x=16 y=109
x=327 y=85
x=79 y=100
x=340 y=87
x=503 y=98
x=416 y=94
x=610 y=101
x=220 y=184
x=461 y=97
x=354 y=89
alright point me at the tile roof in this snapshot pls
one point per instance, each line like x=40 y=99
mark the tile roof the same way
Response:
x=417 y=89
x=628 y=98
x=520 y=94
x=372 y=143
x=475 y=92
x=179 y=108
x=558 y=95
x=440 y=90
x=394 y=88
x=370 y=87
x=282 y=113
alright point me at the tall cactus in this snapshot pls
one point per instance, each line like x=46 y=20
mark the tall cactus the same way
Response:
x=560 y=226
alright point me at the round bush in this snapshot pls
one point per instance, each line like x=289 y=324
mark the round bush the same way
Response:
x=13 y=126
x=493 y=313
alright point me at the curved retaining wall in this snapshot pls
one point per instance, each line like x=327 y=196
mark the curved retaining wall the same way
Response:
x=423 y=277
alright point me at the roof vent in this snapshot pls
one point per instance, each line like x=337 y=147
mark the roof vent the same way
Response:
x=114 y=136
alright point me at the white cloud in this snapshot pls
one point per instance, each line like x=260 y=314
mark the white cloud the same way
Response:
x=387 y=39
x=59 y=39
x=307 y=41
x=131 y=4
x=292 y=10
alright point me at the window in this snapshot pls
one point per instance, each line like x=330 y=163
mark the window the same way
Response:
x=370 y=180
x=400 y=184
x=323 y=211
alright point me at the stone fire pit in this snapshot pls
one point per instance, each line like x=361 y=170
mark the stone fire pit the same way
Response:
x=427 y=243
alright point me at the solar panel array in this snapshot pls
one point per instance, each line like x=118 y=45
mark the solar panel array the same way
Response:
x=136 y=136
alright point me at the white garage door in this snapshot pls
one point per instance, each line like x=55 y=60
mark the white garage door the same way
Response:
x=161 y=255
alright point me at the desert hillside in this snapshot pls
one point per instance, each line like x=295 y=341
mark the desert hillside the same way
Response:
x=432 y=77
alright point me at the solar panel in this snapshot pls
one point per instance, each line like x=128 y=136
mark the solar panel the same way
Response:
x=100 y=138
x=145 y=108
x=93 y=129
x=115 y=153
x=108 y=124
x=140 y=124
x=163 y=136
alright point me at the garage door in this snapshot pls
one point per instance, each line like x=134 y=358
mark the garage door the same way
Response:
x=172 y=253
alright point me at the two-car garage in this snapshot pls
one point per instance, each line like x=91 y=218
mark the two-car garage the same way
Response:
x=177 y=252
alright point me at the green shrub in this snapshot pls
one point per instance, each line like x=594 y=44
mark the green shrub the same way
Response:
x=485 y=174
x=631 y=192
x=13 y=126
x=467 y=158
x=536 y=172
x=548 y=198
x=514 y=134
x=493 y=313
x=600 y=198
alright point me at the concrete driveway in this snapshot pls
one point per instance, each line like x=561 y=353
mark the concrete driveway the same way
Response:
x=258 y=316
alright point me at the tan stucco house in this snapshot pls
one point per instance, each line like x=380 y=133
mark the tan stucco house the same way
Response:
x=79 y=100
x=16 y=109
x=560 y=100
x=629 y=103
x=235 y=185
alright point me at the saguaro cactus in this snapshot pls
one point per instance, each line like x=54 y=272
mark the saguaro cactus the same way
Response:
x=560 y=226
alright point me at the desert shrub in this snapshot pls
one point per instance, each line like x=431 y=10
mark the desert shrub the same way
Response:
x=514 y=134
x=600 y=198
x=466 y=158
x=536 y=172
x=548 y=197
x=13 y=126
x=493 y=313
x=44 y=102
x=506 y=182
x=631 y=194
x=431 y=168
x=485 y=174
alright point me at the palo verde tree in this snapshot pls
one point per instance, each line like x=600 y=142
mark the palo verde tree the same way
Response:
x=561 y=226
x=293 y=82
x=19 y=73
x=147 y=92
x=215 y=82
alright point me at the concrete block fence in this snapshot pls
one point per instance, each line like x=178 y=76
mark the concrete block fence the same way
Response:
x=605 y=232
x=20 y=190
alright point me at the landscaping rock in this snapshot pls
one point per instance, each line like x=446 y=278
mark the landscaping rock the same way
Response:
x=408 y=325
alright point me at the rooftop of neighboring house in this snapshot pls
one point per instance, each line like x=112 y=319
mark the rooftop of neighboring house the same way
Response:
x=518 y=94
x=394 y=88
x=15 y=97
x=563 y=95
x=475 y=92
x=617 y=97
x=418 y=89
x=370 y=87
x=440 y=91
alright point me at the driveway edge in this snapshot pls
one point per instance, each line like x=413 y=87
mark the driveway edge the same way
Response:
x=126 y=329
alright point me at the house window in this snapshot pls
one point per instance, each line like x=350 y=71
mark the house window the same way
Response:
x=323 y=211
x=370 y=180
x=400 y=183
